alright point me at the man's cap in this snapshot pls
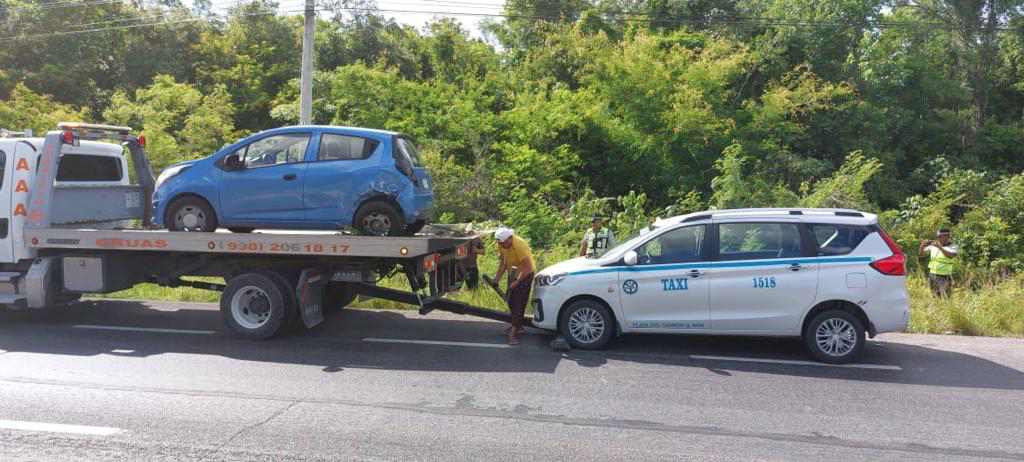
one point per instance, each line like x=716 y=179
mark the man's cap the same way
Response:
x=942 y=231
x=502 y=234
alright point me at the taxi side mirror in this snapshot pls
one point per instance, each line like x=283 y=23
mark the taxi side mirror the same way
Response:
x=630 y=258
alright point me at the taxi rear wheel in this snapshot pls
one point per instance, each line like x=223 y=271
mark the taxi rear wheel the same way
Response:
x=587 y=324
x=835 y=336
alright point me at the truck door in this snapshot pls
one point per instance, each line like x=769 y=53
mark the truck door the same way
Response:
x=6 y=201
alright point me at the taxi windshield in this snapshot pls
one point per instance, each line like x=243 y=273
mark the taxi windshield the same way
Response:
x=632 y=242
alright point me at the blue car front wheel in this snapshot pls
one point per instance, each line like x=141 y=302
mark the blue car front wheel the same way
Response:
x=190 y=213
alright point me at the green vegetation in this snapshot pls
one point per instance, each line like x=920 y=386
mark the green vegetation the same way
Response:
x=573 y=107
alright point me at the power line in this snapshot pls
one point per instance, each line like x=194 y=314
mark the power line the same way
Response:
x=149 y=24
x=60 y=5
x=145 y=18
x=634 y=18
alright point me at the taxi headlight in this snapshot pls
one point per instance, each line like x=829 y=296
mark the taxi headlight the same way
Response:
x=550 y=279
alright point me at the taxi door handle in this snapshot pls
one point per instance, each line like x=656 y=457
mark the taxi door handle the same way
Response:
x=795 y=267
x=695 y=273
x=290 y=177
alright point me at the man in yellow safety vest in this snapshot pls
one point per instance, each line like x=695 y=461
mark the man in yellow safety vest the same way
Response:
x=941 y=254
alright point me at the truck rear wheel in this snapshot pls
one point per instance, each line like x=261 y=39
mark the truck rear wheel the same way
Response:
x=255 y=306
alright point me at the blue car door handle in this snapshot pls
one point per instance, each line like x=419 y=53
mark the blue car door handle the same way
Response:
x=290 y=177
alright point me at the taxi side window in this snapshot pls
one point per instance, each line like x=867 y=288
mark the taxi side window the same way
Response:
x=677 y=246
x=758 y=241
x=837 y=239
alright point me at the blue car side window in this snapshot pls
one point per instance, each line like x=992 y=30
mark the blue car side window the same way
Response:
x=341 y=147
x=273 y=150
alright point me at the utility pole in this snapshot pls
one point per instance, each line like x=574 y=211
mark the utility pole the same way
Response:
x=306 y=81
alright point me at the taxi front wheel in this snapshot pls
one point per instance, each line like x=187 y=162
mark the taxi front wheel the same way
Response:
x=587 y=324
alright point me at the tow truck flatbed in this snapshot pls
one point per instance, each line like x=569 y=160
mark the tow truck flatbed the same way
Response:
x=62 y=247
x=259 y=243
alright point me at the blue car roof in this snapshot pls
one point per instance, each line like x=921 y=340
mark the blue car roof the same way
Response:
x=328 y=128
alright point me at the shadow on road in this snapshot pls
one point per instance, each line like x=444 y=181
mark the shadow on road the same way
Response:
x=339 y=344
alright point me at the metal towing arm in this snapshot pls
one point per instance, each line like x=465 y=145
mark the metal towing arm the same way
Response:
x=271 y=279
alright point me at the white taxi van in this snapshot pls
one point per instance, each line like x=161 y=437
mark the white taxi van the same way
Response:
x=828 y=276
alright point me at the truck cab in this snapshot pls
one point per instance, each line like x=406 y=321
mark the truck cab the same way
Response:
x=91 y=165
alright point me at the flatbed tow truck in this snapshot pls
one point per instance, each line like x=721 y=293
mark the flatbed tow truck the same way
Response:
x=58 y=242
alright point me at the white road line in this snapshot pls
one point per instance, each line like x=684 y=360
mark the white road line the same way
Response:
x=57 y=428
x=884 y=367
x=435 y=342
x=145 y=329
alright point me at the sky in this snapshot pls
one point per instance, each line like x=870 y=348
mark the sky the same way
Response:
x=412 y=12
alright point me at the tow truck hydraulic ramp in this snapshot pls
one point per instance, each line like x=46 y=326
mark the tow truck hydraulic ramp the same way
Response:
x=66 y=241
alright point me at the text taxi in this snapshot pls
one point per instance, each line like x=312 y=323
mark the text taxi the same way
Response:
x=828 y=276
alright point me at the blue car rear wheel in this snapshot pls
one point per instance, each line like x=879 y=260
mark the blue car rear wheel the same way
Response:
x=379 y=218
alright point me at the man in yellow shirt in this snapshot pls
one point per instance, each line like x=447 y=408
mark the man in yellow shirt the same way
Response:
x=941 y=254
x=515 y=256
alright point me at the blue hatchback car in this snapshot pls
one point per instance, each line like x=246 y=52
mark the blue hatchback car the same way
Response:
x=301 y=177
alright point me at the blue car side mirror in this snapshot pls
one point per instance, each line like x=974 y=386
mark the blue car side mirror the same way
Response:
x=233 y=162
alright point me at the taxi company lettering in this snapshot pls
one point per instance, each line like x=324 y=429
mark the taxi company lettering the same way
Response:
x=131 y=243
x=674 y=284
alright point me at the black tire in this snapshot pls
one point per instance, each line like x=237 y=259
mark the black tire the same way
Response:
x=181 y=207
x=415 y=227
x=379 y=218
x=240 y=229
x=287 y=283
x=255 y=306
x=848 y=328
x=338 y=295
x=581 y=314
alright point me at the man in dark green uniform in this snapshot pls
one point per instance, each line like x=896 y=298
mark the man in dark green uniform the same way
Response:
x=597 y=240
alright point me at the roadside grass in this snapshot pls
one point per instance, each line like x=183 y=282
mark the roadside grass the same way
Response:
x=989 y=308
x=176 y=294
x=974 y=308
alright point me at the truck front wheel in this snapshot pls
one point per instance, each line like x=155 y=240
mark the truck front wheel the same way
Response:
x=254 y=305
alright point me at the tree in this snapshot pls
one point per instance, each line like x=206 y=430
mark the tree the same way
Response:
x=179 y=121
x=26 y=109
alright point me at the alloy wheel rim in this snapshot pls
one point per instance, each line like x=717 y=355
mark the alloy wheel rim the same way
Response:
x=586 y=325
x=250 y=306
x=836 y=337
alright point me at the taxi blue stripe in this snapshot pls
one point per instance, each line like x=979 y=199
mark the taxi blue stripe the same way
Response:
x=725 y=264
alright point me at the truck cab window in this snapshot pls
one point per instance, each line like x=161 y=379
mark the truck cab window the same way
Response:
x=78 y=167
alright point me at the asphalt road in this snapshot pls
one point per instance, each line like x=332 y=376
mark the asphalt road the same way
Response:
x=73 y=389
